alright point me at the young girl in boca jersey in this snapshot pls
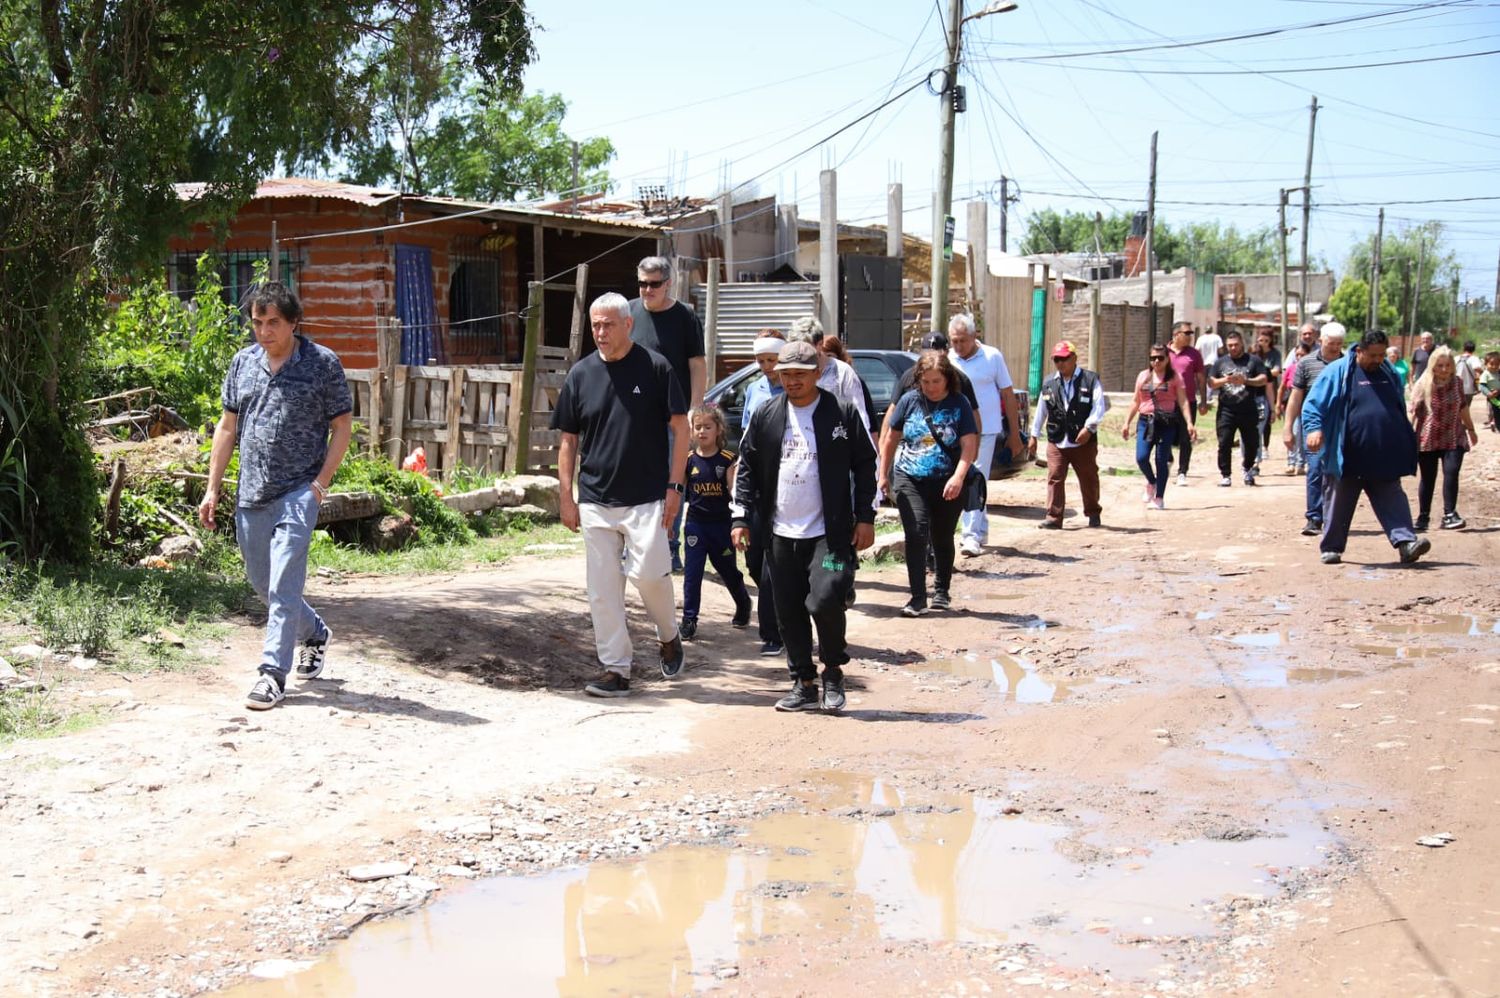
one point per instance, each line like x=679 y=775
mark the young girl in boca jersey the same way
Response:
x=705 y=532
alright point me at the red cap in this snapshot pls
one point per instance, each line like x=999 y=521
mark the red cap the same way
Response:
x=1064 y=349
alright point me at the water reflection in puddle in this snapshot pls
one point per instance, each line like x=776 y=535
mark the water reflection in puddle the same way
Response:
x=1259 y=749
x=1205 y=614
x=1462 y=624
x=1270 y=639
x=1014 y=677
x=1270 y=674
x=664 y=923
x=1403 y=651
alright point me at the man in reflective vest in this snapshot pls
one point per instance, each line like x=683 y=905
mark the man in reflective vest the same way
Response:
x=1071 y=406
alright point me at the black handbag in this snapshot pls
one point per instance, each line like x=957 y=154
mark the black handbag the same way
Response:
x=975 y=491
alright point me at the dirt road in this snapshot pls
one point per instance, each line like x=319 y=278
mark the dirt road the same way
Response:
x=1176 y=756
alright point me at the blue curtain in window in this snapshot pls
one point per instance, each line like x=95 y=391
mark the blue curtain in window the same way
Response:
x=415 y=305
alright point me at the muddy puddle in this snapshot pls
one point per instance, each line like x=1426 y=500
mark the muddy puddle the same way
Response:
x=890 y=868
x=1272 y=674
x=1456 y=624
x=1014 y=677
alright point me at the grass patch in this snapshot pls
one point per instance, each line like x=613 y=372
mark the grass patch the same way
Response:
x=37 y=714
x=500 y=546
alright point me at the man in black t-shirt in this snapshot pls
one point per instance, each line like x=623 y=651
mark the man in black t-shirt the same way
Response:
x=661 y=323
x=1239 y=377
x=614 y=411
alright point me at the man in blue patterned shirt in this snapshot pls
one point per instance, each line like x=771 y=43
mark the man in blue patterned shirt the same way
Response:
x=287 y=407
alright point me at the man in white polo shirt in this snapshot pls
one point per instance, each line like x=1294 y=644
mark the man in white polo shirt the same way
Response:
x=986 y=370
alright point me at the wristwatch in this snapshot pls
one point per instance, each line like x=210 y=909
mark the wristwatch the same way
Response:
x=677 y=487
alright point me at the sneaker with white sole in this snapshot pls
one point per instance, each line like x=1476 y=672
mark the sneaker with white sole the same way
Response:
x=266 y=693
x=1150 y=496
x=311 y=655
x=970 y=547
x=804 y=696
x=611 y=684
x=1331 y=557
x=1158 y=503
x=1225 y=482
x=1182 y=479
x=833 y=693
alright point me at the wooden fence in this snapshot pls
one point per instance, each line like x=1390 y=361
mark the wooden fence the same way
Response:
x=471 y=415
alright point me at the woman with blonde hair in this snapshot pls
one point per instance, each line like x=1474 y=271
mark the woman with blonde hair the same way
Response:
x=1444 y=432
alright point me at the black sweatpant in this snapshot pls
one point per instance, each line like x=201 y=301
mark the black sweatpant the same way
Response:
x=1185 y=440
x=759 y=567
x=809 y=581
x=1427 y=467
x=927 y=519
x=1247 y=422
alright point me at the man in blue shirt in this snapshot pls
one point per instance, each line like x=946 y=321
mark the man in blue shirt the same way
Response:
x=288 y=408
x=1356 y=416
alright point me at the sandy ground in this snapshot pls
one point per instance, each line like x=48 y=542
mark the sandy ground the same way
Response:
x=1200 y=763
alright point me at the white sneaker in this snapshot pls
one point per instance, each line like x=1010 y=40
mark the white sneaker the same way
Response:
x=1158 y=503
x=970 y=547
x=1182 y=480
x=1150 y=496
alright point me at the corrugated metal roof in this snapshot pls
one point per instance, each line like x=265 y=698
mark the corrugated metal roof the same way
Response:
x=305 y=187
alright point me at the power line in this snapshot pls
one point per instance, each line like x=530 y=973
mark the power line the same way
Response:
x=1260 y=72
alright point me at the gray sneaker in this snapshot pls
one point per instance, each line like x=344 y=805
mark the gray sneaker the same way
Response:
x=671 y=658
x=1412 y=550
x=611 y=684
x=804 y=696
x=1332 y=557
x=833 y=694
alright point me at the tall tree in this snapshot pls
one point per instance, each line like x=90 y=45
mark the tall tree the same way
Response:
x=1402 y=254
x=477 y=144
x=103 y=107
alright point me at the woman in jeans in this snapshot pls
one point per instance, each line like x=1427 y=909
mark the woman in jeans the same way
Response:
x=1161 y=400
x=1444 y=431
x=938 y=441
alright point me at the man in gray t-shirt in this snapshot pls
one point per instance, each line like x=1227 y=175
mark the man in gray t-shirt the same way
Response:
x=1309 y=368
x=288 y=409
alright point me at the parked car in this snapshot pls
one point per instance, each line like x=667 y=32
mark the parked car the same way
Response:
x=880 y=370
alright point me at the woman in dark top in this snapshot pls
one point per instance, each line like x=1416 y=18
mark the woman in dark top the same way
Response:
x=938 y=441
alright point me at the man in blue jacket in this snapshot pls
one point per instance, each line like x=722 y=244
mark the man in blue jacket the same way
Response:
x=1357 y=412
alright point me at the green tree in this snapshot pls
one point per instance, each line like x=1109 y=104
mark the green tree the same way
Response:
x=479 y=146
x=102 y=108
x=1350 y=305
x=1205 y=246
x=1050 y=231
x=1402 y=254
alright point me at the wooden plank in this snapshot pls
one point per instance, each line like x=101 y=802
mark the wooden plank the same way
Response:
x=398 y=415
x=363 y=375
x=375 y=416
x=521 y=402
x=455 y=414
x=486 y=438
x=349 y=506
x=580 y=314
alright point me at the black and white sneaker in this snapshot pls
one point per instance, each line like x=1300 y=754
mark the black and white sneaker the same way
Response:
x=671 y=657
x=611 y=684
x=833 y=694
x=941 y=601
x=1412 y=550
x=1452 y=521
x=804 y=696
x=770 y=649
x=311 y=655
x=742 y=608
x=1249 y=478
x=1312 y=528
x=266 y=693
x=688 y=629
x=914 y=609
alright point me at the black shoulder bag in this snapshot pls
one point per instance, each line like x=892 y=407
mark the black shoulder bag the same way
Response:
x=975 y=490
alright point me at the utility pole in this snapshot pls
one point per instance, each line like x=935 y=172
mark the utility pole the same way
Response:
x=950 y=102
x=894 y=245
x=1312 y=124
x=1416 y=296
x=1151 y=239
x=1005 y=211
x=1375 y=273
x=979 y=254
x=1281 y=228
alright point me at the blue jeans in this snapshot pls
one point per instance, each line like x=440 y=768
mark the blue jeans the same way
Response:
x=1297 y=456
x=976 y=523
x=708 y=540
x=1162 y=445
x=1314 y=483
x=273 y=541
x=1387 y=500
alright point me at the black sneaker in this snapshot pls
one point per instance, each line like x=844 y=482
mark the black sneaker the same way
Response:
x=770 y=649
x=941 y=601
x=1249 y=478
x=915 y=608
x=1312 y=528
x=849 y=596
x=688 y=629
x=310 y=656
x=1331 y=557
x=804 y=696
x=671 y=657
x=266 y=693
x=1422 y=523
x=1452 y=521
x=1096 y=521
x=742 y=607
x=833 y=694
x=1412 y=550
x=611 y=684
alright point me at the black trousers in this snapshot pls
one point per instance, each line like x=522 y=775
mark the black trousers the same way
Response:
x=927 y=519
x=1427 y=464
x=759 y=568
x=1184 y=441
x=809 y=580
x=1246 y=422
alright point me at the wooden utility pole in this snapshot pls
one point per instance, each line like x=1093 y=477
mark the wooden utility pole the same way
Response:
x=828 y=251
x=894 y=245
x=979 y=252
x=1004 y=212
x=1312 y=124
x=1375 y=273
x=580 y=325
x=524 y=396
x=1150 y=240
x=944 y=193
x=1281 y=228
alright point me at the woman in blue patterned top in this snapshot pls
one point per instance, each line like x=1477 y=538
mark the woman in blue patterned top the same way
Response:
x=710 y=472
x=932 y=443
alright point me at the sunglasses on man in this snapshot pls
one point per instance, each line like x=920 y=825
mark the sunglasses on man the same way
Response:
x=653 y=285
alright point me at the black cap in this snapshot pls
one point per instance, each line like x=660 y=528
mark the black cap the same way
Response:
x=933 y=341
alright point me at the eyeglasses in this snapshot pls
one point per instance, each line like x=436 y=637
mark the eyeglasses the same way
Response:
x=653 y=285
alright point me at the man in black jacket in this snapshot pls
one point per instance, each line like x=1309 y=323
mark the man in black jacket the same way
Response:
x=797 y=459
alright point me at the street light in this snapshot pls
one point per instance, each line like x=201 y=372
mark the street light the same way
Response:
x=949 y=103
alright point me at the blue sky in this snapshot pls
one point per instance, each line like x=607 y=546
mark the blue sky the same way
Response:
x=697 y=93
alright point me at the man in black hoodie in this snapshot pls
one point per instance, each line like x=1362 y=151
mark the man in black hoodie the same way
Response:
x=798 y=458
